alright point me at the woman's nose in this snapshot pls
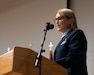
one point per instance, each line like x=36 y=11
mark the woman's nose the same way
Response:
x=57 y=21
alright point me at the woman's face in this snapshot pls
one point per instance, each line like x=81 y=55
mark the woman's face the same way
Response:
x=62 y=23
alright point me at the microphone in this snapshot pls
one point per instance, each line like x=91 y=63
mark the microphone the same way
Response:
x=49 y=26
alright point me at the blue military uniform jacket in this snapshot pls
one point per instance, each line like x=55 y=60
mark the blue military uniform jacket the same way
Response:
x=71 y=52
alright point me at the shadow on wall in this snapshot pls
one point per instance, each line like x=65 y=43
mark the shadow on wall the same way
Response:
x=11 y=4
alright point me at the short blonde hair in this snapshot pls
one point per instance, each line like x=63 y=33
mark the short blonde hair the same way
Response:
x=68 y=13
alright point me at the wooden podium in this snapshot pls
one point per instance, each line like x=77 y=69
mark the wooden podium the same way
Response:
x=20 y=61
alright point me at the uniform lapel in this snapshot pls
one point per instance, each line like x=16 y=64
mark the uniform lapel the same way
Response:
x=64 y=39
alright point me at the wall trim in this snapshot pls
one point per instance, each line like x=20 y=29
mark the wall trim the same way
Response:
x=69 y=4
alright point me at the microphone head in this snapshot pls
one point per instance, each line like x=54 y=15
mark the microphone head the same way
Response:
x=49 y=26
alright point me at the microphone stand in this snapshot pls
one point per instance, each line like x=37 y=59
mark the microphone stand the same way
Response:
x=38 y=62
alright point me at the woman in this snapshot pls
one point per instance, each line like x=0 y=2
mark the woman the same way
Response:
x=71 y=50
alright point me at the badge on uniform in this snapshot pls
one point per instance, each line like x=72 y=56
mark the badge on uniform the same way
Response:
x=64 y=42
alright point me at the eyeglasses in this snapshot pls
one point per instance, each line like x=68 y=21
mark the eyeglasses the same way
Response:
x=60 y=18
